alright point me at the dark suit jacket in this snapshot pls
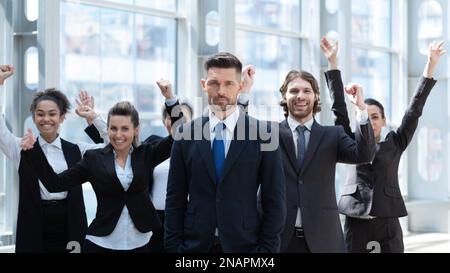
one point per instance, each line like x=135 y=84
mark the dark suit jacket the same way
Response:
x=29 y=235
x=98 y=167
x=313 y=188
x=197 y=204
x=373 y=188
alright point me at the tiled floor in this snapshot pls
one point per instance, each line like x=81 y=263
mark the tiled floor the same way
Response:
x=427 y=243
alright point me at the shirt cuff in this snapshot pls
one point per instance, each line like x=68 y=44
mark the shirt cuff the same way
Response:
x=362 y=117
x=243 y=98
x=100 y=124
x=172 y=101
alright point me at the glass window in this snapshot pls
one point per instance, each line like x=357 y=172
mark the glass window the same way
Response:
x=169 y=5
x=31 y=68
x=430 y=24
x=279 y=14
x=371 y=22
x=372 y=69
x=125 y=52
x=32 y=10
x=212 y=28
x=274 y=57
x=116 y=55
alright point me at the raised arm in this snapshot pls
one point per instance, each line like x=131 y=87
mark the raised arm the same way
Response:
x=410 y=120
x=9 y=143
x=6 y=71
x=33 y=155
x=363 y=150
x=248 y=73
x=335 y=85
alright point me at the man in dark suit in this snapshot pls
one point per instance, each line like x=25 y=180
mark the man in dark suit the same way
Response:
x=310 y=153
x=371 y=198
x=219 y=166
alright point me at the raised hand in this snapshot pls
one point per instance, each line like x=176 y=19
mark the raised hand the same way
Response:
x=85 y=107
x=27 y=141
x=248 y=77
x=435 y=52
x=330 y=51
x=355 y=94
x=85 y=99
x=6 y=71
x=166 y=88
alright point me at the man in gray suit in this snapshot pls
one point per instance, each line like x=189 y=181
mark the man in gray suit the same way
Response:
x=310 y=152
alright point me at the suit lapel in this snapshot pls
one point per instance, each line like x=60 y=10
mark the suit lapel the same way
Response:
x=204 y=146
x=288 y=141
x=136 y=166
x=110 y=166
x=314 y=141
x=236 y=145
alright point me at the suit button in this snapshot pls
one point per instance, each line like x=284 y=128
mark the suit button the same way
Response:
x=300 y=181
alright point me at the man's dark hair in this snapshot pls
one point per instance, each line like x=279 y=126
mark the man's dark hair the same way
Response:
x=224 y=60
x=306 y=76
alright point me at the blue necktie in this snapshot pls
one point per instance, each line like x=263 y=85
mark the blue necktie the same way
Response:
x=219 y=149
x=301 y=146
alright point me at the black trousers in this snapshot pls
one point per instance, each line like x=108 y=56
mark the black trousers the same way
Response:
x=363 y=235
x=90 y=247
x=298 y=242
x=156 y=244
x=216 y=247
x=55 y=226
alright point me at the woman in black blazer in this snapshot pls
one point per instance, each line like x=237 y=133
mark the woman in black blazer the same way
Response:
x=46 y=222
x=119 y=174
x=371 y=197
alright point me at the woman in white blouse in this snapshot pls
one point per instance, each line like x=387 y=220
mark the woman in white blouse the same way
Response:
x=46 y=222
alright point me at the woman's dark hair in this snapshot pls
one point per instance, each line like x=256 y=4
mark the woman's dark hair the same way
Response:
x=54 y=95
x=126 y=108
x=377 y=104
x=306 y=76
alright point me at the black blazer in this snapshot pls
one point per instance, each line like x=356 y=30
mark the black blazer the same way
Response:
x=98 y=167
x=29 y=233
x=313 y=188
x=197 y=204
x=373 y=188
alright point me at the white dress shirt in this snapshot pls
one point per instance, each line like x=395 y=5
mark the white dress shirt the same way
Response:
x=159 y=189
x=230 y=123
x=293 y=124
x=125 y=236
x=10 y=146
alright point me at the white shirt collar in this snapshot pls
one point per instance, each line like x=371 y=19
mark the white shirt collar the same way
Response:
x=293 y=124
x=230 y=121
x=56 y=143
x=129 y=152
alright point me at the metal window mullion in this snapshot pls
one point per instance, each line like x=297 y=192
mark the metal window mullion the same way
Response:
x=272 y=31
x=128 y=8
x=375 y=48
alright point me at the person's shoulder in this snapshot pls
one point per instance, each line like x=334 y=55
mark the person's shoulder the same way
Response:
x=98 y=151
